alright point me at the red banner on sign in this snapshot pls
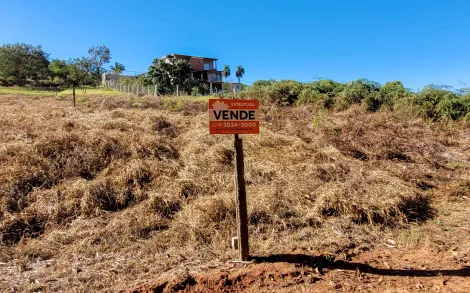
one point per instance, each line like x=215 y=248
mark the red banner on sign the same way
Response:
x=233 y=116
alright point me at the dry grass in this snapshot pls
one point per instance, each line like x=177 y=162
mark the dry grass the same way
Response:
x=123 y=188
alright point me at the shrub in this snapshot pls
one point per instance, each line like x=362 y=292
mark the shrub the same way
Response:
x=428 y=99
x=391 y=92
x=195 y=91
x=285 y=92
x=309 y=95
x=264 y=83
x=358 y=90
x=373 y=101
x=467 y=117
x=326 y=86
x=454 y=108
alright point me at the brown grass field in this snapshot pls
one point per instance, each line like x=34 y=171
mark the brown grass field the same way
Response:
x=123 y=190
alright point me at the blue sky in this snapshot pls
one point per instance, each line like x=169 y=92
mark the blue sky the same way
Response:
x=417 y=41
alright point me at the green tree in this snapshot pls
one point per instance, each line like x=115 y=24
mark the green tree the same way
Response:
x=117 y=68
x=99 y=56
x=240 y=72
x=226 y=72
x=78 y=72
x=169 y=72
x=58 y=69
x=23 y=61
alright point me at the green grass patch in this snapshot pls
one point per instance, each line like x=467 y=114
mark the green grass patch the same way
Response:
x=26 y=91
x=68 y=92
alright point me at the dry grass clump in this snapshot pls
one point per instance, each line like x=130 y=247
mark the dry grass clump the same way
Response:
x=124 y=188
x=382 y=136
x=164 y=127
x=372 y=197
x=205 y=221
x=71 y=154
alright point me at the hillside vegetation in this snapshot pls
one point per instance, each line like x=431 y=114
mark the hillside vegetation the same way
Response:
x=432 y=102
x=122 y=188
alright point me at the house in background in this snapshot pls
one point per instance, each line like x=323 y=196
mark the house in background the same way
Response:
x=205 y=70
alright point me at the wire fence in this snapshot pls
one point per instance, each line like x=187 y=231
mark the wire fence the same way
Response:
x=135 y=88
x=139 y=89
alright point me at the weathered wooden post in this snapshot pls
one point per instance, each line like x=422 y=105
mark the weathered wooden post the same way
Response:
x=240 y=194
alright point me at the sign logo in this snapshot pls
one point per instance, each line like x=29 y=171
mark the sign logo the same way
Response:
x=233 y=116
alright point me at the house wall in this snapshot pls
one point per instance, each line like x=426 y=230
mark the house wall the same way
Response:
x=197 y=64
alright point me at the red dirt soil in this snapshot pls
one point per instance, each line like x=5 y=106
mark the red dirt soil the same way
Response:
x=381 y=270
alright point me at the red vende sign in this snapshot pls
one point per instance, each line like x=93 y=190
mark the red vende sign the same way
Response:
x=233 y=116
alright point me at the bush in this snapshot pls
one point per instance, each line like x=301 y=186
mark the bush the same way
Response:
x=428 y=99
x=195 y=91
x=454 y=108
x=326 y=86
x=391 y=92
x=264 y=83
x=309 y=95
x=285 y=92
x=467 y=118
x=373 y=101
x=358 y=90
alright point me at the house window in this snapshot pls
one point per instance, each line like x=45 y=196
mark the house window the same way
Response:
x=206 y=66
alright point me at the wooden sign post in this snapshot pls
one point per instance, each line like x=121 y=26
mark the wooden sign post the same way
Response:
x=236 y=117
x=240 y=195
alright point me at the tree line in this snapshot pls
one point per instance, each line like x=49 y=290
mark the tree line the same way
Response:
x=25 y=63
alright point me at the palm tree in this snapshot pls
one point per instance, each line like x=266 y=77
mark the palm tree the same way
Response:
x=240 y=72
x=117 y=68
x=226 y=72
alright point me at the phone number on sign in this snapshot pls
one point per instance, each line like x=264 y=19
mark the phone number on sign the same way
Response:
x=237 y=124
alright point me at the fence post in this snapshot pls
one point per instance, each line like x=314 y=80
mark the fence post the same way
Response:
x=177 y=91
x=73 y=94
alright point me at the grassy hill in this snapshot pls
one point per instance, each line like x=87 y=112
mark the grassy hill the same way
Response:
x=121 y=189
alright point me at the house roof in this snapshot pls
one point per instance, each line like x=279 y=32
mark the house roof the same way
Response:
x=189 y=56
